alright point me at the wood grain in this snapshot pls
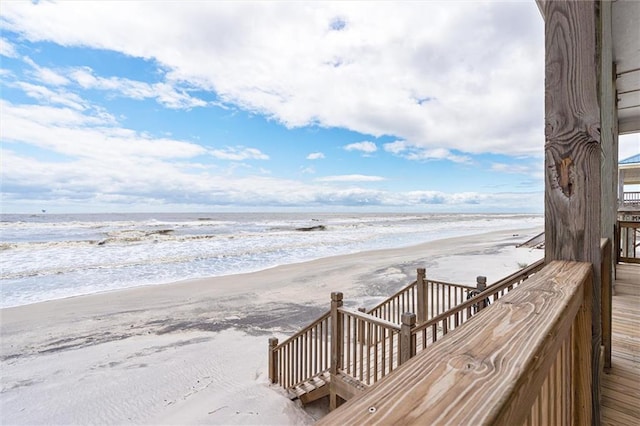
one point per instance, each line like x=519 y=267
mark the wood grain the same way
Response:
x=572 y=147
x=621 y=385
x=486 y=371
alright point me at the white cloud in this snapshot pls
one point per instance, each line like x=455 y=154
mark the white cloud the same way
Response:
x=405 y=150
x=534 y=169
x=365 y=146
x=69 y=132
x=46 y=75
x=470 y=81
x=7 y=49
x=351 y=178
x=315 y=156
x=238 y=154
x=164 y=93
x=57 y=97
x=395 y=147
x=99 y=163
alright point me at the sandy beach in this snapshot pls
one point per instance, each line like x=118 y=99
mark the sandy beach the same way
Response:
x=195 y=352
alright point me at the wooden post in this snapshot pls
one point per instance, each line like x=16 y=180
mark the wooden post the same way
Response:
x=481 y=285
x=609 y=143
x=606 y=303
x=407 y=349
x=422 y=296
x=336 y=346
x=273 y=360
x=617 y=245
x=361 y=330
x=581 y=378
x=573 y=150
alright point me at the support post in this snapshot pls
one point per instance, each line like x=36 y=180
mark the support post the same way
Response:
x=407 y=348
x=573 y=150
x=362 y=330
x=606 y=303
x=609 y=142
x=422 y=295
x=273 y=360
x=336 y=346
x=481 y=285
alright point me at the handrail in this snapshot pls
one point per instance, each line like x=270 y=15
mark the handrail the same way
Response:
x=425 y=297
x=304 y=355
x=527 y=361
x=293 y=361
x=370 y=349
x=392 y=308
x=303 y=330
x=428 y=332
x=631 y=197
x=462 y=286
x=373 y=347
x=393 y=296
x=370 y=319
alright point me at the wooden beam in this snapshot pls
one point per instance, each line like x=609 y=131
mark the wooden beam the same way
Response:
x=573 y=148
x=609 y=169
x=337 y=342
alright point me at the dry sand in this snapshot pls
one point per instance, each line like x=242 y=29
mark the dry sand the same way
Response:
x=195 y=352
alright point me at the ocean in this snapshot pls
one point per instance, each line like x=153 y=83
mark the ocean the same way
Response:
x=51 y=256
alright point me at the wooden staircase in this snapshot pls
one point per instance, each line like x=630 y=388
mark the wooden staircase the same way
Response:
x=345 y=351
x=311 y=389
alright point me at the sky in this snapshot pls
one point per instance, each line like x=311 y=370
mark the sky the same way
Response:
x=272 y=106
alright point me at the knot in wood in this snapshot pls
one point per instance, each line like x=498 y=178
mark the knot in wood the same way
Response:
x=565 y=175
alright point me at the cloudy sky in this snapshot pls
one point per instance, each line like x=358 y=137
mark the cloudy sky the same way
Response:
x=233 y=106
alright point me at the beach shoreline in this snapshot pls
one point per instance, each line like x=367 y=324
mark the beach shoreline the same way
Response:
x=216 y=331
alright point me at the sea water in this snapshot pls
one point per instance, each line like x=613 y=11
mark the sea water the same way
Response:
x=51 y=256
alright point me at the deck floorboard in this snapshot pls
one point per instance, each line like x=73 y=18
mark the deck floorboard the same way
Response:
x=621 y=386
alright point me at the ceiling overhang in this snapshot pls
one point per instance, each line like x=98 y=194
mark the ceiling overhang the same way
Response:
x=626 y=56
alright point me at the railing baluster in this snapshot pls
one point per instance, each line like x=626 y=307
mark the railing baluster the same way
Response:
x=369 y=325
x=360 y=360
x=383 y=342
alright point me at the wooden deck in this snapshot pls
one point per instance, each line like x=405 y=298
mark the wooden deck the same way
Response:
x=621 y=385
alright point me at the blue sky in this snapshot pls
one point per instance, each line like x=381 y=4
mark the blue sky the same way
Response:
x=234 y=106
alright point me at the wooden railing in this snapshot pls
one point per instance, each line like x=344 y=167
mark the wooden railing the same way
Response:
x=365 y=349
x=426 y=298
x=631 y=198
x=525 y=360
x=429 y=332
x=304 y=355
x=363 y=357
x=628 y=241
x=366 y=346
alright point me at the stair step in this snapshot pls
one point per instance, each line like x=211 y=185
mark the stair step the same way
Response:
x=309 y=386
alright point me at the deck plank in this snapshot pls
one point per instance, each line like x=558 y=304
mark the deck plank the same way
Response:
x=621 y=386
